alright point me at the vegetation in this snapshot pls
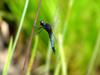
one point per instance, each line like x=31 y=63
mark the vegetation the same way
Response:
x=76 y=27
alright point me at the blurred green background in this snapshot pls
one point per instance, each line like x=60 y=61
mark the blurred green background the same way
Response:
x=76 y=27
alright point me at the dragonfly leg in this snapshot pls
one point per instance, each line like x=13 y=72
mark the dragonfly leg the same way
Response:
x=40 y=29
x=36 y=26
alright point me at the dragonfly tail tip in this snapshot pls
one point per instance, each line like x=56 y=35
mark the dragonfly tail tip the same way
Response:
x=53 y=49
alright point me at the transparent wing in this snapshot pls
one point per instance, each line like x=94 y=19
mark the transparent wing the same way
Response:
x=53 y=34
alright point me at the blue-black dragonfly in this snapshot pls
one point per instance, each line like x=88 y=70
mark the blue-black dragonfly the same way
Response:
x=48 y=28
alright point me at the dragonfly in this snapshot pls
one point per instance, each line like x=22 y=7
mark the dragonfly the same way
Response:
x=47 y=27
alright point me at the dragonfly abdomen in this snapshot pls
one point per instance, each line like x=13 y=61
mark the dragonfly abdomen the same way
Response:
x=52 y=42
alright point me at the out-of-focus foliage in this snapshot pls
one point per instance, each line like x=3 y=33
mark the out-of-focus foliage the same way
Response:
x=78 y=22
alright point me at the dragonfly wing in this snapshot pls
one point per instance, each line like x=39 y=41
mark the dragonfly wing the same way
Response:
x=53 y=33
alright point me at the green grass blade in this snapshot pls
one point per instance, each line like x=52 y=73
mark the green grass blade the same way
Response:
x=62 y=56
x=57 y=69
x=33 y=54
x=17 y=35
x=6 y=66
x=20 y=25
x=48 y=60
x=95 y=53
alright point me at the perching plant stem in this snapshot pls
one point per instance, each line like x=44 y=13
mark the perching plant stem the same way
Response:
x=30 y=38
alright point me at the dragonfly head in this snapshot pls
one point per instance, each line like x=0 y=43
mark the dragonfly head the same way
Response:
x=42 y=23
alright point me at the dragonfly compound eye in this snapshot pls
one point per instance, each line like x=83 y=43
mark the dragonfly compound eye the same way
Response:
x=42 y=22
